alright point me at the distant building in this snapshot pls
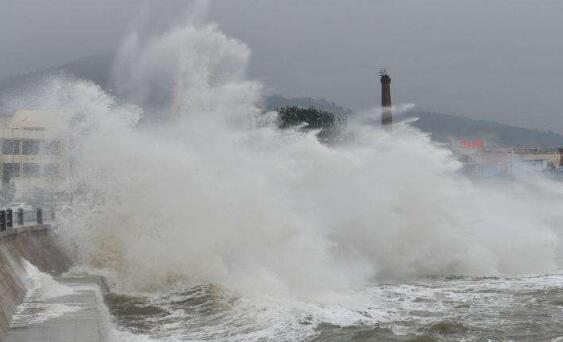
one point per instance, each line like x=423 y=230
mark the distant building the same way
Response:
x=34 y=150
x=497 y=162
x=540 y=159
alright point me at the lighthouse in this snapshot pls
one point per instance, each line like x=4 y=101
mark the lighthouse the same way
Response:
x=386 y=114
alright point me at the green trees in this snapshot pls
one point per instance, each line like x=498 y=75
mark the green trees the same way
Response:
x=327 y=123
x=277 y=101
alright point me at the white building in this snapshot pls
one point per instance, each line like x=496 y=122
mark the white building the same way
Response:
x=34 y=150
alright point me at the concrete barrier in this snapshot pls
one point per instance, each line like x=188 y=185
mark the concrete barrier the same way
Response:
x=24 y=229
x=36 y=244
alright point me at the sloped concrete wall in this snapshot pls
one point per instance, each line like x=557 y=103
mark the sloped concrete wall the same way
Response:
x=37 y=245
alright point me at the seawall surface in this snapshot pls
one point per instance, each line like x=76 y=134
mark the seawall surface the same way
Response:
x=39 y=246
x=85 y=319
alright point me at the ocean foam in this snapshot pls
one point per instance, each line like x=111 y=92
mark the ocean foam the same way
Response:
x=208 y=190
x=36 y=308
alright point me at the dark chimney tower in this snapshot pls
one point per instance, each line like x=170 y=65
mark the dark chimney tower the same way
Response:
x=387 y=114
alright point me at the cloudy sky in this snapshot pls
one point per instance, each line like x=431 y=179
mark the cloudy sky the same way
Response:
x=497 y=59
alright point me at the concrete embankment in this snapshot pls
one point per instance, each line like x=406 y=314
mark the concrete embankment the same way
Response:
x=39 y=246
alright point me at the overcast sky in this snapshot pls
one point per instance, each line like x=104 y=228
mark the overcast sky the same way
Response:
x=498 y=59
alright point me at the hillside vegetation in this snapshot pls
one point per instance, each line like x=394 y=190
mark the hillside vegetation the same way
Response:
x=448 y=128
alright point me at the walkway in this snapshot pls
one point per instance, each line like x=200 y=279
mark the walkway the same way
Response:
x=83 y=324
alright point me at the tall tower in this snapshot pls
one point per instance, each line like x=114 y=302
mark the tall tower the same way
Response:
x=387 y=114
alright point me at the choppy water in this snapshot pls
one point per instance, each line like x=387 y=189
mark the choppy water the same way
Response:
x=526 y=308
x=435 y=309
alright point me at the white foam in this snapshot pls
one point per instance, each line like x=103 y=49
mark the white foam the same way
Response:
x=36 y=308
x=42 y=285
x=212 y=192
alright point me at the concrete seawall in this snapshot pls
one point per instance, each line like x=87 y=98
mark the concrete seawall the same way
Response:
x=39 y=246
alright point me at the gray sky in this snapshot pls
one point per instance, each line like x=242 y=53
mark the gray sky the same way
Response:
x=498 y=59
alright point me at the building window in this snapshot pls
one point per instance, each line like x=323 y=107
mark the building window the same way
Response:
x=31 y=169
x=10 y=146
x=11 y=170
x=52 y=147
x=51 y=170
x=30 y=147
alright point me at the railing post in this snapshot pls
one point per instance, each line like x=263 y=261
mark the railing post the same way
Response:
x=20 y=216
x=9 y=218
x=2 y=220
x=39 y=216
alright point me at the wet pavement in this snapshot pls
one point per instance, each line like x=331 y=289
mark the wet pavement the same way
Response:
x=84 y=322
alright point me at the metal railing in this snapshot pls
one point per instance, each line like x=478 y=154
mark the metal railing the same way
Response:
x=21 y=218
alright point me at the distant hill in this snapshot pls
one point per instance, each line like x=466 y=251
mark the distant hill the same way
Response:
x=443 y=127
x=96 y=68
x=448 y=128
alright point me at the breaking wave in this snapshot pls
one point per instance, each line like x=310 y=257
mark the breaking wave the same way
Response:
x=181 y=180
x=40 y=287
